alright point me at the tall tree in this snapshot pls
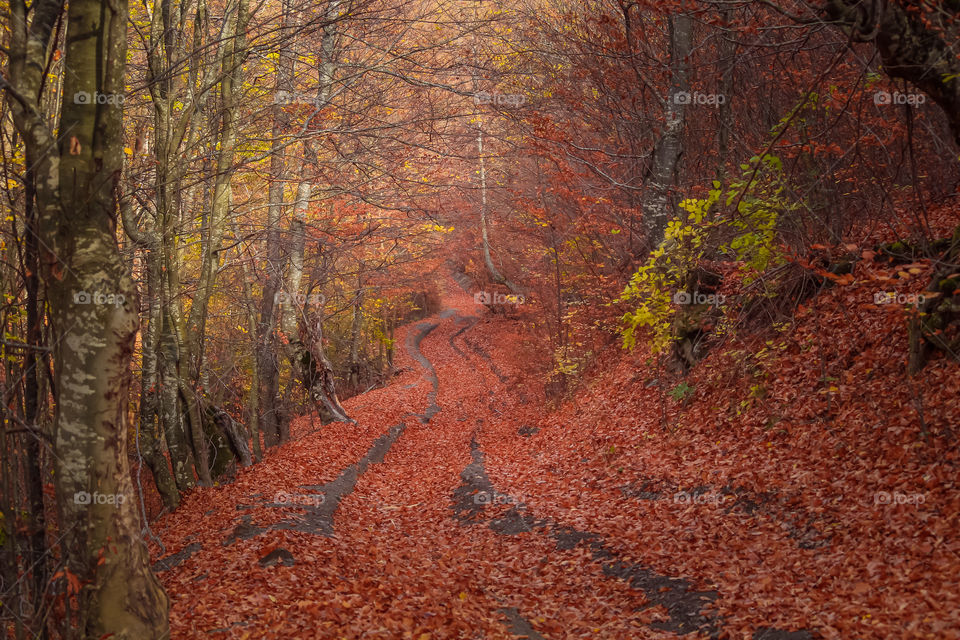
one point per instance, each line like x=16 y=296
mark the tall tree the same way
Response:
x=91 y=305
x=656 y=204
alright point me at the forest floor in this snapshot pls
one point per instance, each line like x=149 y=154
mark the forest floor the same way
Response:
x=459 y=506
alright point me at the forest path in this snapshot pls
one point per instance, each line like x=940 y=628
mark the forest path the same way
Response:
x=393 y=528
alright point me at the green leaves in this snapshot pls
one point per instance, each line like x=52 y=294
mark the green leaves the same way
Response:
x=760 y=201
x=760 y=197
x=681 y=392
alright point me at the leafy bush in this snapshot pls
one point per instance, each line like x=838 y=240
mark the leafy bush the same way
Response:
x=748 y=233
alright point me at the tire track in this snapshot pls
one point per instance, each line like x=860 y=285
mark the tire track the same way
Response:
x=682 y=602
x=318 y=518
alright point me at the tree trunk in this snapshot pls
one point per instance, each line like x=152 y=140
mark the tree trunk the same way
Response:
x=31 y=399
x=725 y=123
x=149 y=398
x=169 y=403
x=235 y=436
x=916 y=45
x=173 y=133
x=148 y=433
x=355 y=327
x=656 y=205
x=92 y=312
x=305 y=341
x=253 y=399
x=268 y=369
x=495 y=273
x=221 y=200
x=319 y=378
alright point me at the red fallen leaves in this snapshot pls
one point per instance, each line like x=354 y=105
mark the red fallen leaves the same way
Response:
x=890 y=569
x=836 y=430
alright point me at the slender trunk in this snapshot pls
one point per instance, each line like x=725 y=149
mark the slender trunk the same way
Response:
x=268 y=370
x=151 y=444
x=31 y=400
x=495 y=273
x=221 y=200
x=355 y=327
x=169 y=404
x=9 y=552
x=163 y=256
x=148 y=433
x=656 y=204
x=253 y=399
x=305 y=339
x=725 y=111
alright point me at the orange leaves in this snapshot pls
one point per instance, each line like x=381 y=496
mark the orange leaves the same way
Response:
x=795 y=508
x=71 y=579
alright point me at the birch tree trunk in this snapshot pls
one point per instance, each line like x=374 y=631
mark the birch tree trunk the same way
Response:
x=305 y=337
x=656 y=205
